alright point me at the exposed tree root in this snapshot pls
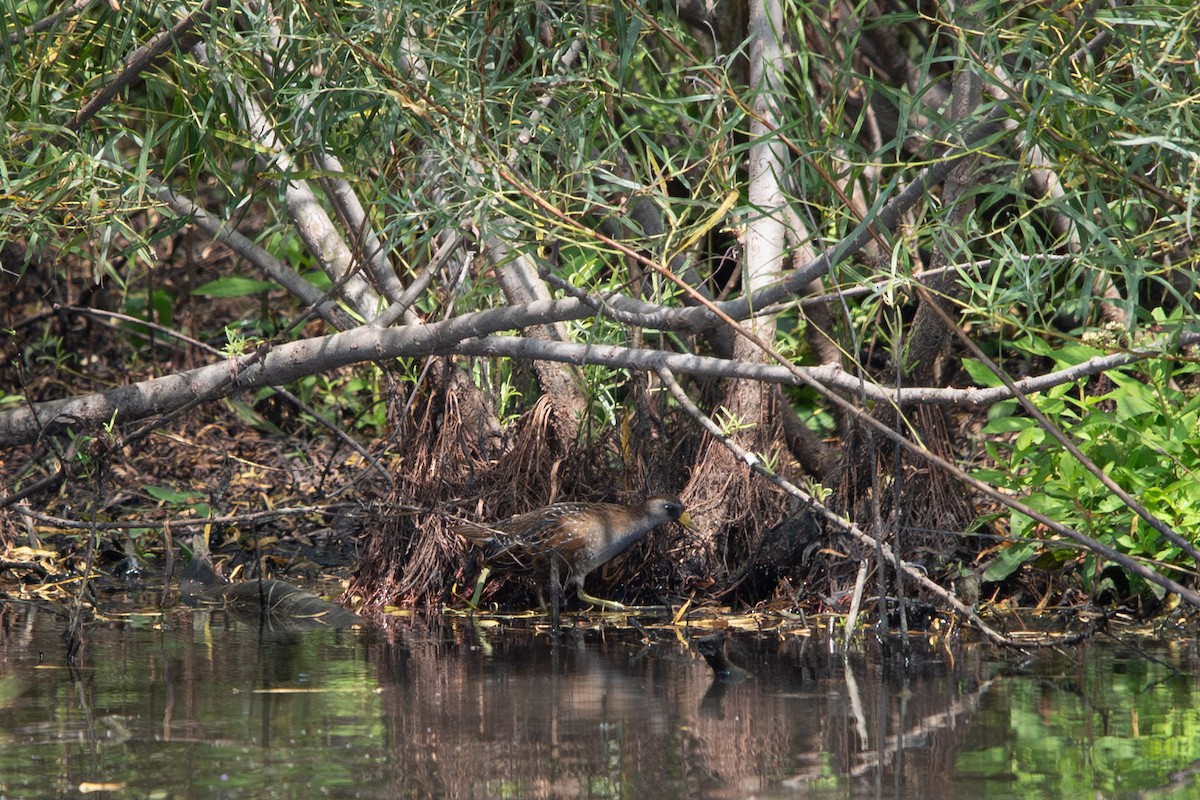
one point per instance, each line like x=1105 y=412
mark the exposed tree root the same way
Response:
x=450 y=473
x=734 y=509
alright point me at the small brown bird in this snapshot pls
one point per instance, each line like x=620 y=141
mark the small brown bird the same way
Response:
x=566 y=541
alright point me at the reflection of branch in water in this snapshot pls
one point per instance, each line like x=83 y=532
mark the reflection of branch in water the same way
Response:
x=893 y=746
x=274 y=605
x=856 y=706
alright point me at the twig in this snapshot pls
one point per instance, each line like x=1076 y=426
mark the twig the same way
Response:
x=138 y=62
x=268 y=264
x=419 y=283
x=1067 y=443
x=253 y=517
x=1132 y=565
x=46 y=23
x=304 y=407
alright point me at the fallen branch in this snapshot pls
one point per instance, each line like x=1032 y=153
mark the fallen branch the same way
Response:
x=282 y=364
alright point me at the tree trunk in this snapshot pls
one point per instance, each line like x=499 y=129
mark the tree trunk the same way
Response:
x=727 y=503
x=561 y=383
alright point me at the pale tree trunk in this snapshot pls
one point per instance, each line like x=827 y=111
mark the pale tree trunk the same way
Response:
x=721 y=493
x=561 y=384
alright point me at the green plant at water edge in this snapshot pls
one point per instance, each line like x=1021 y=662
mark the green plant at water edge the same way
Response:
x=1143 y=432
x=179 y=501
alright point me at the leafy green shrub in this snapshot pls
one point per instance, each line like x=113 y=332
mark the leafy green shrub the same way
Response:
x=1141 y=429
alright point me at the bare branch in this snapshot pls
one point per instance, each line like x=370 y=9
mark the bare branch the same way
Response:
x=46 y=23
x=467 y=335
x=309 y=218
x=270 y=266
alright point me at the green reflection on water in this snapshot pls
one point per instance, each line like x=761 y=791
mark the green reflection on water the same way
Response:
x=188 y=711
x=193 y=705
x=1112 y=724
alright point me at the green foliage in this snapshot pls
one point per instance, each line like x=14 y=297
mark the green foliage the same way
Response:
x=158 y=307
x=180 y=501
x=233 y=286
x=590 y=108
x=729 y=422
x=1142 y=430
x=354 y=398
x=558 y=129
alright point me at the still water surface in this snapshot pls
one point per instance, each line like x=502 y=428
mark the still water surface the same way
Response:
x=194 y=705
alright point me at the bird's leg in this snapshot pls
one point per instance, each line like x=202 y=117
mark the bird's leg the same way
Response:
x=555 y=597
x=613 y=605
x=480 y=582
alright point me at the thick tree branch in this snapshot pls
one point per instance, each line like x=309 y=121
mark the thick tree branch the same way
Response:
x=285 y=363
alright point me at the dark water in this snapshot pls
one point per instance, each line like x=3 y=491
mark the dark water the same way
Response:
x=194 y=705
